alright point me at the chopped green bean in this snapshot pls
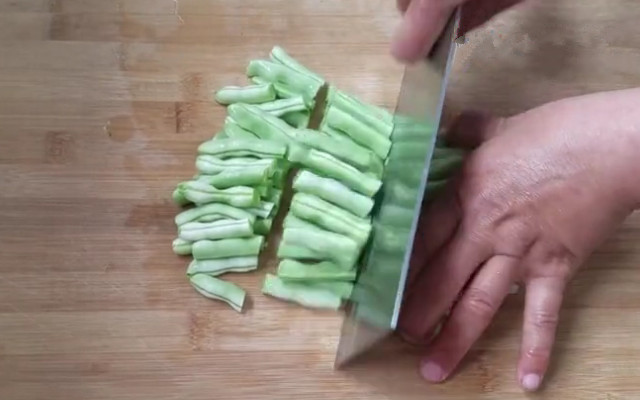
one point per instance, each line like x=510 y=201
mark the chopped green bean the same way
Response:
x=279 y=55
x=219 y=135
x=223 y=265
x=235 y=131
x=228 y=148
x=346 y=151
x=375 y=117
x=339 y=288
x=202 y=193
x=287 y=250
x=297 y=82
x=291 y=221
x=261 y=123
x=264 y=209
x=300 y=294
x=280 y=107
x=282 y=90
x=338 y=248
x=225 y=248
x=223 y=210
x=249 y=176
x=254 y=94
x=263 y=226
x=218 y=289
x=328 y=165
x=222 y=229
x=292 y=270
x=211 y=165
x=330 y=217
x=334 y=192
x=374 y=163
x=179 y=198
x=299 y=119
x=357 y=130
x=181 y=247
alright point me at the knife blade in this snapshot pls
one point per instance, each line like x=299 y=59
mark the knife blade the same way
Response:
x=374 y=306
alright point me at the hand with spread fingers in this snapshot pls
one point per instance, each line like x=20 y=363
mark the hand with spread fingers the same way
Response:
x=538 y=193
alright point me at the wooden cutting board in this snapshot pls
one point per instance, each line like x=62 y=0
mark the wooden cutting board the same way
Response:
x=102 y=105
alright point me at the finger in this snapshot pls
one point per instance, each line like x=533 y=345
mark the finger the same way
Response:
x=437 y=224
x=403 y=5
x=420 y=27
x=543 y=300
x=438 y=285
x=472 y=128
x=469 y=318
x=476 y=13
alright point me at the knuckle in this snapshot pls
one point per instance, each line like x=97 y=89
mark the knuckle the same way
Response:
x=480 y=303
x=544 y=320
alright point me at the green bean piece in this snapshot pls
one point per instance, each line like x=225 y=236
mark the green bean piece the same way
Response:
x=282 y=91
x=181 y=247
x=335 y=247
x=218 y=289
x=402 y=194
x=287 y=250
x=222 y=229
x=263 y=226
x=223 y=210
x=261 y=123
x=219 y=135
x=202 y=193
x=339 y=288
x=297 y=82
x=179 y=198
x=292 y=270
x=211 y=165
x=346 y=151
x=229 y=148
x=374 y=163
x=357 y=130
x=299 y=119
x=249 y=176
x=444 y=152
x=235 y=131
x=279 y=55
x=375 y=117
x=291 y=221
x=409 y=151
x=330 y=217
x=264 y=209
x=392 y=239
x=254 y=94
x=225 y=248
x=223 y=265
x=275 y=195
x=280 y=107
x=301 y=294
x=328 y=165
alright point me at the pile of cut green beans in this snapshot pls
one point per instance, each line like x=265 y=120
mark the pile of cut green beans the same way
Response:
x=232 y=200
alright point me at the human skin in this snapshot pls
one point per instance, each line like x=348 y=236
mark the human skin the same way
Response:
x=538 y=194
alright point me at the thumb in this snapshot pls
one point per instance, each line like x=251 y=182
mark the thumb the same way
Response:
x=471 y=128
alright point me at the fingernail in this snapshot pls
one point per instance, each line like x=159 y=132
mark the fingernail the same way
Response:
x=531 y=382
x=432 y=372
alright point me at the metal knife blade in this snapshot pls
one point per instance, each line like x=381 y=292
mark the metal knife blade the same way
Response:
x=375 y=302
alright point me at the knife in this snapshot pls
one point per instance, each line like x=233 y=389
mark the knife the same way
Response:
x=374 y=306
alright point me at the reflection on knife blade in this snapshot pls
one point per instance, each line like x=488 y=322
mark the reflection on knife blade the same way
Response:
x=376 y=299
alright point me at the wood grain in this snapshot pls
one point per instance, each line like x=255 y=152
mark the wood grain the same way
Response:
x=102 y=105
